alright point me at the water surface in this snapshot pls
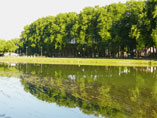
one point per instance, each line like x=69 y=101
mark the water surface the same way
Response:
x=61 y=91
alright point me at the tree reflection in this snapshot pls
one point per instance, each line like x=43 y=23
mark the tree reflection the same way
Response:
x=114 y=92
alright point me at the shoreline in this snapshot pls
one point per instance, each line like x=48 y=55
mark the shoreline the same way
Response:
x=79 y=61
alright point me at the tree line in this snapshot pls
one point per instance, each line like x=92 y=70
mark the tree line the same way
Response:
x=9 y=46
x=109 y=31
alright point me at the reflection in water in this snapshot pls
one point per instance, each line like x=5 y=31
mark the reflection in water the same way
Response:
x=114 y=92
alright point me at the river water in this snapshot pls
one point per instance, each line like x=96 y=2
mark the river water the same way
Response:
x=64 y=91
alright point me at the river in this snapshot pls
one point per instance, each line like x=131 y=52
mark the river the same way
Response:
x=66 y=91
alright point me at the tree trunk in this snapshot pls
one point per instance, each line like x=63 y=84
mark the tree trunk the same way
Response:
x=153 y=51
x=118 y=52
x=145 y=51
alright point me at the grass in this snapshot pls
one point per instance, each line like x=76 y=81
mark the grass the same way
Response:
x=79 y=61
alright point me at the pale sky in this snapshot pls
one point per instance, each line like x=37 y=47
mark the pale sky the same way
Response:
x=15 y=14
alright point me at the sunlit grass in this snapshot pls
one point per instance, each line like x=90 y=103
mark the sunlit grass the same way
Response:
x=79 y=61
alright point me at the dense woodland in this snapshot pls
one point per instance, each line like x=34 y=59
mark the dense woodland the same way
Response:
x=116 y=30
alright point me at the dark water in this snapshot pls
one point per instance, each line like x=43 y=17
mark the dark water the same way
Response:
x=57 y=91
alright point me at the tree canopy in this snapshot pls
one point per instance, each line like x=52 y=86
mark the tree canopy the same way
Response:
x=110 y=30
x=8 y=46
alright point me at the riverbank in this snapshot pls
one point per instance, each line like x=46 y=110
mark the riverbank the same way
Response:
x=79 y=61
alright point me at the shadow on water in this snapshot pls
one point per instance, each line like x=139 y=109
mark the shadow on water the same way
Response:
x=113 y=92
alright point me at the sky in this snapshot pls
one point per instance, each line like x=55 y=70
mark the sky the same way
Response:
x=15 y=14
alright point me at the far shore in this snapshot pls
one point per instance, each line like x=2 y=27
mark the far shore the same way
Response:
x=79 y=61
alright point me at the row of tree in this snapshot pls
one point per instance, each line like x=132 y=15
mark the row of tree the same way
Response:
x=9 y=46
x=111 y=30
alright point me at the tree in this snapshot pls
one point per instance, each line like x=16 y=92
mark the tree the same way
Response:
x=2 y=46
x=144 y=31
x=10 y=46
x=115 y=28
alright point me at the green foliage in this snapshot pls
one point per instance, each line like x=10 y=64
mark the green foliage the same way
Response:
x=2 y=45
x=10 y=45
x=118 y=27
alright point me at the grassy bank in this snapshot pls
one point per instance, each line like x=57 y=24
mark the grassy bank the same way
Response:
x=79 y=61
